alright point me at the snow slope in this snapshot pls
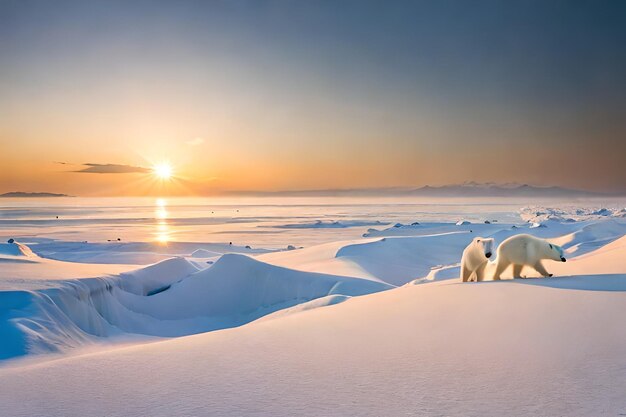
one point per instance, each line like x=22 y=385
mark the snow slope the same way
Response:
x=444 y=348
x=171 y=298
x=399 y=260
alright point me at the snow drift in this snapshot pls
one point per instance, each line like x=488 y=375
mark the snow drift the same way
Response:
x=171 y=298
x=13 y=248
x=401 y=259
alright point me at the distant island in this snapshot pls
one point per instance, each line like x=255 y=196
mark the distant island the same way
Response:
x=20 y=194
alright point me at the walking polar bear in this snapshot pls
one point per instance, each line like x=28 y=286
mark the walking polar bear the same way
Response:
x=526 y=250
x=475 y=257
x=519 y=251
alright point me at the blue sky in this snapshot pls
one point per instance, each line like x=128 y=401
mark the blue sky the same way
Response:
x=319 y=94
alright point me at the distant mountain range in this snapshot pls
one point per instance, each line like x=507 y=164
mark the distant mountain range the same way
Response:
x=472 y=189
x=21 y=194
x=468 y=189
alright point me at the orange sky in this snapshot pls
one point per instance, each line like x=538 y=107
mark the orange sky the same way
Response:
x=304 y=96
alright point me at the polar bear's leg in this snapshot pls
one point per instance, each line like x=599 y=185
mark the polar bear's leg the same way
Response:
x=480 y=272
x=465 y=273
x=517 y=270
x=539 y=268
x=500 y=267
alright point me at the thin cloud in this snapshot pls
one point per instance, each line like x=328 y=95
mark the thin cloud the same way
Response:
x=111 y=169
x=195 y=142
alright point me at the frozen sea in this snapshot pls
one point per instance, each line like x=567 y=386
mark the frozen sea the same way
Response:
x=266 y=222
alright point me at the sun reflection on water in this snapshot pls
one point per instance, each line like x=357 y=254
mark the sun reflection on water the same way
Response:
x=160 y=213
x=162 y=234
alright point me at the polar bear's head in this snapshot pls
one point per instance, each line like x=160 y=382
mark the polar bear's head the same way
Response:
x=555 y=252
x=485 y=245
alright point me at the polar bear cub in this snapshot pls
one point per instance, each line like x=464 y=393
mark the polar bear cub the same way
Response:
x=526 y=250
x=475 y=257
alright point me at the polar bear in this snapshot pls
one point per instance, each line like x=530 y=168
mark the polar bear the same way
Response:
x=475 y=257
x=526 y=250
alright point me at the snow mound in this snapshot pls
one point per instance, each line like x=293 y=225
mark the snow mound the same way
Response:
x=171 y=298
x=592 y=236
x=398 y=260
x=147 y=280
x=13 y=248
x=603 y=212
x=203 y=253
x=240 y=285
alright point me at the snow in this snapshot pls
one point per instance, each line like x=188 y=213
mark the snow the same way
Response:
x=398 y=260
x=203 y=253
x=368 y=326
x=133 y=253
x=14 y=248
x=568 y=214
x=427 y=228
x=171 y=298
x=398 y=352
x=329 y=224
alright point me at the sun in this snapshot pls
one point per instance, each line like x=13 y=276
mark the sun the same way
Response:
x=163 y=171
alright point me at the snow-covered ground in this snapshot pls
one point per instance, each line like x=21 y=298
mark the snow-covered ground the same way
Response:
x=374 y=323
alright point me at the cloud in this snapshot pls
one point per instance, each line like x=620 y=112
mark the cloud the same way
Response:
x=195 y=142
x=111 y=169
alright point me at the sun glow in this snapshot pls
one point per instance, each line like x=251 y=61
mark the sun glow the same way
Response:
x=163 y=171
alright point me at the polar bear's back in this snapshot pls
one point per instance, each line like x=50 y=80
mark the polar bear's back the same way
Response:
x=520 y=249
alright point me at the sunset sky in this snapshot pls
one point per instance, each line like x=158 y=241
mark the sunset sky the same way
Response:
x=297 y=95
